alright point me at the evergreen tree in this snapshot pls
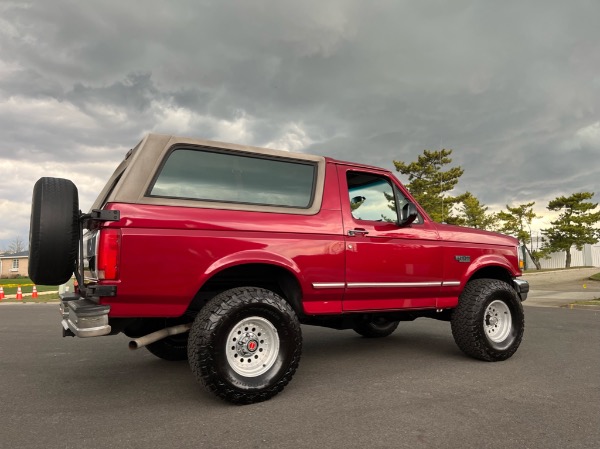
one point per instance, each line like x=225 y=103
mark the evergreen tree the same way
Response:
x=574 y=226
x=517 y=222
x=475 y=215
x=430 y=185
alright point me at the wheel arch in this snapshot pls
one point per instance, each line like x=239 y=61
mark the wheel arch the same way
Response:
x=271 y=276
x=497 y=272
x=491 y=266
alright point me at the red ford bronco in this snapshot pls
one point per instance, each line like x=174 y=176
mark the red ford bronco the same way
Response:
x=216 y=253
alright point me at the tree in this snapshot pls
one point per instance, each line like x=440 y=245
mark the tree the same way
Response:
x=517 y=222
x=16 y=245
x=574 y=226
x=430 y=185
x=475 y=215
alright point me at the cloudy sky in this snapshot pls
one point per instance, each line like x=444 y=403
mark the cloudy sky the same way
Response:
x=512 y=87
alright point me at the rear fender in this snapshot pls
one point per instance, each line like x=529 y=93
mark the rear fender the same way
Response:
x=252 y=257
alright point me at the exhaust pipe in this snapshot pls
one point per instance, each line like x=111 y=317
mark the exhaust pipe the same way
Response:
x=159 y=335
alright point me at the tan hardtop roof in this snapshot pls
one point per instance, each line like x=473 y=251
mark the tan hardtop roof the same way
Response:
x=263 y=150
x=132 y=179
x=358 y=165
x=233 y=146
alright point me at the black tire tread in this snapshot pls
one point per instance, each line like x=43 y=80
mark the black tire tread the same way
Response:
x=169 y=349
x=203 y=333
x=54 y=231
x=467 y=328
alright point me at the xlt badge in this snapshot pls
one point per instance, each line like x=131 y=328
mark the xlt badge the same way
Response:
x=465 y=259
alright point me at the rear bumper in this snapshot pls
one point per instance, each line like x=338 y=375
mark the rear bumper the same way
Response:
x=83 y=318
x=522 y=288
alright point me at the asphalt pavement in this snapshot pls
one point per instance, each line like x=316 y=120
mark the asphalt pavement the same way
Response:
x=414 y=389
x=561 y=288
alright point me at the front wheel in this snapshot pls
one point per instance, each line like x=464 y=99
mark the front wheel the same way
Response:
x=489 y=322
x=245 y=345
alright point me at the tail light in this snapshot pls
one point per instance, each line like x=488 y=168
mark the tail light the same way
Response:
x=108 y=256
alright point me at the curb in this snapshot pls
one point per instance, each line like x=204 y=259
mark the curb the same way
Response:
x=27 y=295
x=536 y=273
x=12 y=303
x=580 y=306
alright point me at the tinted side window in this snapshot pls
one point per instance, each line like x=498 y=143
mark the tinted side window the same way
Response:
x=235 y=178
x=371 y=197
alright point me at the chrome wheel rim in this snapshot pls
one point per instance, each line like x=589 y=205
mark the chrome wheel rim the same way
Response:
x=497 y=321
x=252 y=346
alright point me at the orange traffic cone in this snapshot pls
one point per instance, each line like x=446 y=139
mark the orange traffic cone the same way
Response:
x=34 y=292
x=1 y=293
x=19 y=294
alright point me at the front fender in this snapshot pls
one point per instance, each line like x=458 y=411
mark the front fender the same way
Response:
x=485 y=261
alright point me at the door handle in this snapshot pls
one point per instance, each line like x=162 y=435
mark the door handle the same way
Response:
x=357 y=231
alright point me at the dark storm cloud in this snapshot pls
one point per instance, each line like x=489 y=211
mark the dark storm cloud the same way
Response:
x=512 y=87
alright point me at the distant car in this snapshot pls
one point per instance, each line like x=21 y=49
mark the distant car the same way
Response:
x=217 y=253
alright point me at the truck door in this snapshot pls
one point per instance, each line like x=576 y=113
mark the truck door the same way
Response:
x=387 y=266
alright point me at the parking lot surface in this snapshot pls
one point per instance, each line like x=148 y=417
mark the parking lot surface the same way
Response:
x=414 y=389
x=560 y=288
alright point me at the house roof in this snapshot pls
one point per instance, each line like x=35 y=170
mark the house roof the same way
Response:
x=13 y=255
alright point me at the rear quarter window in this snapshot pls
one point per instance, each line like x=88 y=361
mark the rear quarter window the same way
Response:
x=230 y=177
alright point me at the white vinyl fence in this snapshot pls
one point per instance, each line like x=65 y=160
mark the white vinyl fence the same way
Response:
x=595 y=255
x=589 y=256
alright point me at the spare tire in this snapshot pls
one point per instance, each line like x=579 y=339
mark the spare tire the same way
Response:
x=54 y=231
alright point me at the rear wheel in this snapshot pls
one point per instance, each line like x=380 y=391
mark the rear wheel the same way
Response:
x=245 y=345
x=375 y=327
x=489 y=322
x=172 y=348
x=54 y=231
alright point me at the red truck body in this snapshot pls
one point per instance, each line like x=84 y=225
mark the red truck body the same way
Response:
x=167 y=253
x=237 y=246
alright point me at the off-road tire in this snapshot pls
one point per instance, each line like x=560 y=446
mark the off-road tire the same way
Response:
x=377 y=327
x=488 y=323
x=213 y=344
x=54 y=231
x=172 y=348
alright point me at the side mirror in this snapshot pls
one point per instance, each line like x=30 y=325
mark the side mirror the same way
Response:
x=408 y=214
x=357 y=200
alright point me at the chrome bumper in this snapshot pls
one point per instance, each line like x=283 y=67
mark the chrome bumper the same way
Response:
x=522 y=288
x=84 y=318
